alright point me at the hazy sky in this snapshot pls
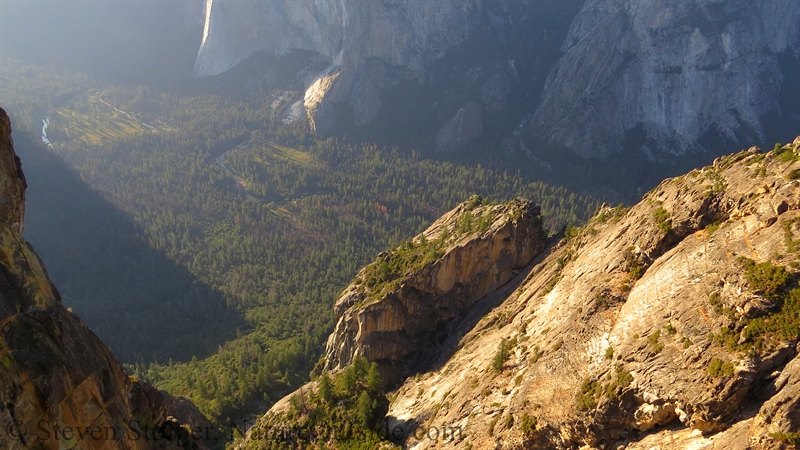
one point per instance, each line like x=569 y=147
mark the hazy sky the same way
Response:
x=125 y=41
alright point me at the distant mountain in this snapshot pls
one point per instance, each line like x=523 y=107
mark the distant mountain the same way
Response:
x=673 y=76
x=590 y=78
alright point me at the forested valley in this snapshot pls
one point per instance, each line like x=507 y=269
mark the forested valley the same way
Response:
x=204 y=240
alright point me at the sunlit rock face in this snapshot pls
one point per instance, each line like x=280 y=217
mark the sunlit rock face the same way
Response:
x=609 y=338
x=401 y=325
x=401 y=34
x=673 y=70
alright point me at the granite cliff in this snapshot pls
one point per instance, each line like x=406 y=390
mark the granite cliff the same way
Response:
x=587 y=77
x=60 y=386
x=673 y=75
x=671 y=324
x=360 y=41
x=649 y=326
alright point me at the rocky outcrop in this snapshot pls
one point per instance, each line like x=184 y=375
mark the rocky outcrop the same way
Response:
x=671 y=72
x=645 y=328
x=12 y=180
x=433 y=280
x=60 y=386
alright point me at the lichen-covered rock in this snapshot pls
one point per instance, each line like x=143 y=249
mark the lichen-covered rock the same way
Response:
x=55 y=373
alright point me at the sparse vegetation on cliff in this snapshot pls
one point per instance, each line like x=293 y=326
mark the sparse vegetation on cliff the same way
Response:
x=384 y=275
x=345 y=411
x=792 y=244
x=788 y=438
x=635 y=267
x=780 y=323
x=661 y=216
x=592 y=390
x=413 y=254
x=720 y=368
x=527 y=425
x=764 y=277
x=503 y=353
x=655 y=345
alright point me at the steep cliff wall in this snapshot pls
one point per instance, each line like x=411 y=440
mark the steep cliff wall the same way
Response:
x=348 y=34
x=658 y=77
x=402 y=307
x=673 y=71
x=12 y=180
x=56 y=374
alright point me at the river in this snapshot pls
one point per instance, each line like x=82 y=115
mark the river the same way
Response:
x=45 y=123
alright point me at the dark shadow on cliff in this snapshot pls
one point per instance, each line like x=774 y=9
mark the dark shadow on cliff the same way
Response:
x=143 y=305
x=453 y=332
x=413 y=108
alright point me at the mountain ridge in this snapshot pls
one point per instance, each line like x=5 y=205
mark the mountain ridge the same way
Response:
x=672 y=323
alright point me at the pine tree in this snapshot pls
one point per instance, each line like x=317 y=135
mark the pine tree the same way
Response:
x=373 y=378
x=364 y=409
x=325 y=388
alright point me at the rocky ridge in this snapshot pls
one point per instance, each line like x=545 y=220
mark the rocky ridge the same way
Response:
x=671 y=324
x=56 y=374
x=617 y=338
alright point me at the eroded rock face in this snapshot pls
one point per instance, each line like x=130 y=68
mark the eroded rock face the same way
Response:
x=614 y=329
x=403 y=325
x=658 y=77
x=633 y=332
x=674 y=70
x=55 y=372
